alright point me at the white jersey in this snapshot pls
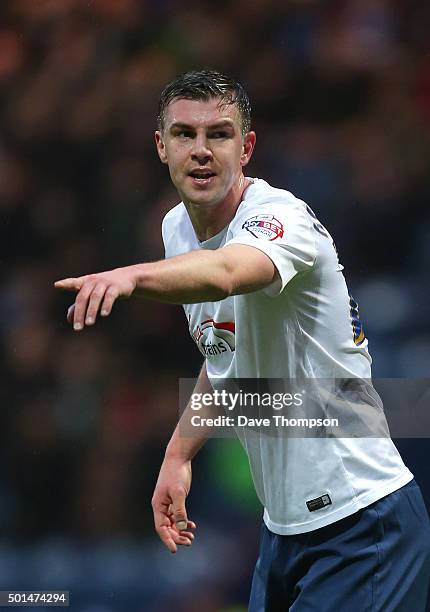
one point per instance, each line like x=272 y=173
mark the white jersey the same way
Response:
x=304 y=325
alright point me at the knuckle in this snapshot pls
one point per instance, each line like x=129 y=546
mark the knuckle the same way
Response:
x=155 y=501
x=84 y=293
x=99 y=291
x=178 y=491
x=112 y=292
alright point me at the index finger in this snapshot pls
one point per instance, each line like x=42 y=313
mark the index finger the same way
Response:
x=70 y=284
x=162 y=524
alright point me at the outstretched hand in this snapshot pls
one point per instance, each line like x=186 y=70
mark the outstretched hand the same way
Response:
x=96 y=293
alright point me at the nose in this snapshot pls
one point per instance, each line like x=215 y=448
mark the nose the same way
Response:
x=201 y=151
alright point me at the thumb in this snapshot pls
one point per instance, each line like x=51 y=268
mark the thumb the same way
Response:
x=70 y=313
x=179 y=512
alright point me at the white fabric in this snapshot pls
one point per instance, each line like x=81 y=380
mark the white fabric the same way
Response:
x=300 y=327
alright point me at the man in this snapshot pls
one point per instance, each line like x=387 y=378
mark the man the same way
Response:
x=259 y=278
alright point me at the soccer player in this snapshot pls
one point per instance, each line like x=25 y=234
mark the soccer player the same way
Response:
x=345 y=527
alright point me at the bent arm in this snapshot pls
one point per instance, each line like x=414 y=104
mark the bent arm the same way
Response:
x=198 y=276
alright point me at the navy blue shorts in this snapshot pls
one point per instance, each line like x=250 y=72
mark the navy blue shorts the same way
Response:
x=376 y=560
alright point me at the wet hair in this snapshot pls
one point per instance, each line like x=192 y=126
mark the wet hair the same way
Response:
x=205 y=85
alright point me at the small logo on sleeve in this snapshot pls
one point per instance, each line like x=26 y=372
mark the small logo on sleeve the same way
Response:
x=319 y=502
x=264 y=226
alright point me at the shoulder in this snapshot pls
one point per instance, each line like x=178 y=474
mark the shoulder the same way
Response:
x=261 y=194
x=262 y=201
x=173 y=220
x=177 y=231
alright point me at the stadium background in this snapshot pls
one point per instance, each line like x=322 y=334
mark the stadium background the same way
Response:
x=341 y=106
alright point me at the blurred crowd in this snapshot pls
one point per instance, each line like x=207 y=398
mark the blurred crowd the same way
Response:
x=341 y=104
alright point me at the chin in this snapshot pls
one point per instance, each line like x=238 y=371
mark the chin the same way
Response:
x=203 y=198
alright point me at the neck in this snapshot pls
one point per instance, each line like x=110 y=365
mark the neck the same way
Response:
x=209 y=221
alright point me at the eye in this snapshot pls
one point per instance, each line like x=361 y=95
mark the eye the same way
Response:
x=219 y=134
x=184 y=134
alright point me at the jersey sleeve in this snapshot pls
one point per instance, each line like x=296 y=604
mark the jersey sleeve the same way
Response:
x=284 y=233
x=169 y=230
x=164 y=233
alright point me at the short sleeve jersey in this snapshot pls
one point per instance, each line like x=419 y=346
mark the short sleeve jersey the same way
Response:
x=303 y=325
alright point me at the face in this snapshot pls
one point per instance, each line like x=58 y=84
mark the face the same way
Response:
x=203 y=146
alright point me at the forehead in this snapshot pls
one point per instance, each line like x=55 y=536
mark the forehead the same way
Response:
x=199 y=113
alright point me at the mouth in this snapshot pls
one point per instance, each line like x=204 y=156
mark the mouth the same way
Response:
x=201 y=177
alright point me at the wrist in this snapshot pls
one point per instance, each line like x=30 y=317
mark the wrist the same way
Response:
x=173 y=453
x=137 y=276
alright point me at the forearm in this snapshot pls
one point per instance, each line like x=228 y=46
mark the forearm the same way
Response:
x=204 y=275
x=195 y=277
x=185 y=444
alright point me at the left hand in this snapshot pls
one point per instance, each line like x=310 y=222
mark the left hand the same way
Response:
x=97 y=292
x=168 y=504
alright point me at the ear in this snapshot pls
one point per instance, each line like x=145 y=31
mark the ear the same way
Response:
x=161 y=148
x=247 y=147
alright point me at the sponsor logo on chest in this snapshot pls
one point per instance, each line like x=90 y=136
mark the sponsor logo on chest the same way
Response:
x=214 y=338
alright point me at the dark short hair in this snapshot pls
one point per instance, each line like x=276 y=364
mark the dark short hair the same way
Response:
x=205 y=85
